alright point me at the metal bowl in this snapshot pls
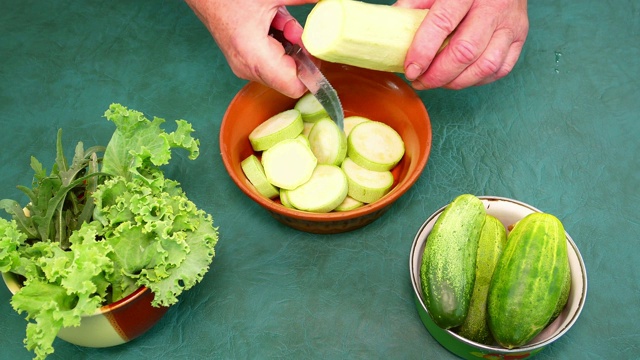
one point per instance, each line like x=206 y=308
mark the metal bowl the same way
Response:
x=508 y=211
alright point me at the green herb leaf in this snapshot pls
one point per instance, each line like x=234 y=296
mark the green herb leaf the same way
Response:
x=92 y=236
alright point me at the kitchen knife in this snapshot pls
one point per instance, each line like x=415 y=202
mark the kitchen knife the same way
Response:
x=313 y=79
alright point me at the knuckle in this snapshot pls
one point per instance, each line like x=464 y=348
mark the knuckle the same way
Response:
x=464 y=52
x=443 y=20
x=503 y=71
x=488 y=66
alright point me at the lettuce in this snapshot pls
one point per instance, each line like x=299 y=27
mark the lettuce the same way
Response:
x=97 y=229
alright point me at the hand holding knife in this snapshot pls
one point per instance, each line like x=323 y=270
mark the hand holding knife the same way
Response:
x=312 y=78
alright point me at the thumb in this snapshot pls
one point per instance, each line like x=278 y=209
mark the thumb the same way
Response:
x=278 y=70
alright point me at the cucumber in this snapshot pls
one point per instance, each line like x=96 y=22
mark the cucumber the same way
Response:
x=529 y=280
x=448 y=266
x=361 y=34
x=328 y=142
x=285 y=125
x=254 y=172
x=325 y=190
x=492 y=240
x=375 y=146
x=288 y=164
x=310 y=108
x=366 y=185
x=564 y=296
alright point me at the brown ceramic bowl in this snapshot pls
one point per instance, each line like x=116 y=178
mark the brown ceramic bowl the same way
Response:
x=380 y=96
x=112 y=324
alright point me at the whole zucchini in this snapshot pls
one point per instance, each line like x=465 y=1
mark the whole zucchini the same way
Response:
x=529 y=281
x=493 y=238
x=448 y=265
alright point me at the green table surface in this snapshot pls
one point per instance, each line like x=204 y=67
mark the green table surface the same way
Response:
x=561 y=132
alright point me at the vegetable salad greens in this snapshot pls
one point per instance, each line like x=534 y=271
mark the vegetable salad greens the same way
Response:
x=97 y=229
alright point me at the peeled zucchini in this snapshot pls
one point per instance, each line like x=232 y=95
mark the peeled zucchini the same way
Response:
x=361 y=34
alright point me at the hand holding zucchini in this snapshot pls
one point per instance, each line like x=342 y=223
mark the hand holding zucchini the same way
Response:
x=371 y=36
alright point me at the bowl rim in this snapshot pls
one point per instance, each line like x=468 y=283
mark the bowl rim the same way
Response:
x=11 y=281
x=415 y=282
x=367 y=209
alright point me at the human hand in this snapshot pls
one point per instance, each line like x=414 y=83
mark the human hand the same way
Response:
x=488 y=38
x=241 y=27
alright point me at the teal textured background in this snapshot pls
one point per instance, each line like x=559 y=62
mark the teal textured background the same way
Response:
x=562 y=133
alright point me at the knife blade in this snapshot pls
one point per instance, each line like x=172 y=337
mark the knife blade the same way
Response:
x=311 y=76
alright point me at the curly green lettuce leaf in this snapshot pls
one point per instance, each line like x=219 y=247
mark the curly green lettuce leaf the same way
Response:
x=10 y=240
x=191 y=271
x=163 y=241
x=71 y=284
x=139 y=144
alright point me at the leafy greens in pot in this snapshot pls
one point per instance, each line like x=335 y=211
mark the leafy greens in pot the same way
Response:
x=98 y=229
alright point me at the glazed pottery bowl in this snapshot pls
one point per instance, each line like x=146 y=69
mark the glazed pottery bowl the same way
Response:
x=508 y=211
x=379 y=96
x=112 y=324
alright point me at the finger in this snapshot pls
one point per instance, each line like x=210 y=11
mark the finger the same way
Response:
x=469 y=48
x=440 y=21
x=487 y=65
x=508 y=64
x=281 y=18
x=291 y=29
x=279 y=71
x=414 y=4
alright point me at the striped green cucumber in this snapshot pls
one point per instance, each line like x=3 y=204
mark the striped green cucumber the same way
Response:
x=493 y=238
x=529 y=280
x=564 y=296
x=448 y=265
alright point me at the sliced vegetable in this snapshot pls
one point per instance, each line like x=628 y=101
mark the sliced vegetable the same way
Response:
x=348 y=204
x=366 y=185
x=310 y=108
x=328 y=142
x=252 y=168
x=288 y=164
x=284 y=199
x=351 y=121
x=303 y=139
x=366 y=35
x=307 y=128
x=326 y=189
x=375 y=145
x=285 y=125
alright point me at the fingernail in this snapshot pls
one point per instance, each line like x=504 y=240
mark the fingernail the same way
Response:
x=412 y=71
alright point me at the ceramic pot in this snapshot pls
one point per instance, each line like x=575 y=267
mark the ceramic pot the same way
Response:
x=112 y=324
